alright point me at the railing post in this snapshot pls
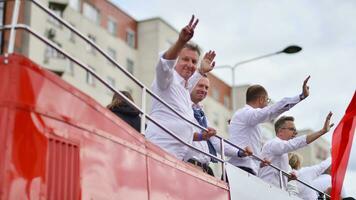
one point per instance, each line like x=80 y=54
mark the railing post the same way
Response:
x=223 y=158
x=15 y=16
x=143 y=108
x=281 y=179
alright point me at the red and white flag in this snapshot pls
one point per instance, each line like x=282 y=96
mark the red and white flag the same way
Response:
x=341 y=147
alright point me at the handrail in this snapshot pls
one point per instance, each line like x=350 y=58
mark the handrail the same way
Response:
x=53 y=45
x=145 y=89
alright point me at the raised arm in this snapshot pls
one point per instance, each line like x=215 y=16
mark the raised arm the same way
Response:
x=270 y=112
x=279 y=147
x=207 y=64
x=165 y=66
x=184 y=36
x=313 y=136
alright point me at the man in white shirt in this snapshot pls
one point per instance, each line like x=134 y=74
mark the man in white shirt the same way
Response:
x=212 y=145
x=176 y=75
x=244 y=127
x=317 y=176
x=277 y=149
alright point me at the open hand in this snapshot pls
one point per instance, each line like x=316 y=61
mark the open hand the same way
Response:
x=208 y=63
x=305 y=88
x=327 y=124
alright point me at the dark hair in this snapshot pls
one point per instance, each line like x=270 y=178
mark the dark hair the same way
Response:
x=117 y=100
x=254 y=92
x=280 y=122
x=193 y=47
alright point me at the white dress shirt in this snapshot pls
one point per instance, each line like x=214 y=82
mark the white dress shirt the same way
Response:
x=277 y=150
x=323 y=182
x=244 y=128
x=308 y=175
x=175 y=91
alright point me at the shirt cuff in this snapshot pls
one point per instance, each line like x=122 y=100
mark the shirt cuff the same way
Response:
x=168 y=63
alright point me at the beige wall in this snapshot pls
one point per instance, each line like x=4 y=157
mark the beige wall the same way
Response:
x=315 y=152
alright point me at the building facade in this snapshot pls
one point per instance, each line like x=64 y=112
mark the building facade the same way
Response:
x=134 y=45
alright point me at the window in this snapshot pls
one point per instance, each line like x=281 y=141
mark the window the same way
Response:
x=227 y=101
x=130 y=38
x=216 y=94
x=75 y=4
x=112 y=26
x=71 y=34
x=91 y=13
x=57 y=9
x=227 y=121
x=130 y=66
x=52 y=53
x=91 y=48
x=112 y=83
x=216 y=119
x=90 y=77
x=112 y=53
x=71 y=68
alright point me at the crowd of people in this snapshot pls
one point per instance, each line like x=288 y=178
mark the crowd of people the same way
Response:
x=181 y=81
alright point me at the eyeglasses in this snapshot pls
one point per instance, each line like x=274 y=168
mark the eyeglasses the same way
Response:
x=268 y=100
x=291 y=129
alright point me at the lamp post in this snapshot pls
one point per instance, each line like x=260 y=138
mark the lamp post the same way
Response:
x=288 y=50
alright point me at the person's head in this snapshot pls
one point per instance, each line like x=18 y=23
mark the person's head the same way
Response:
x=295 y=160
x=187 y=60
x=257 y=96
x=117 y=100
x=200 y=90
x=285 y=128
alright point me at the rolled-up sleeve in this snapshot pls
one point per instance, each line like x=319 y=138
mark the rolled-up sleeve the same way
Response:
x=279 y=147
x=164 y=72
x=256 y=116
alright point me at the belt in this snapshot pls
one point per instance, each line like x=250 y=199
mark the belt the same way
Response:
x=199 y=164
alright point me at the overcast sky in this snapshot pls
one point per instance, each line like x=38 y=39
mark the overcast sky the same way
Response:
x=240 y=29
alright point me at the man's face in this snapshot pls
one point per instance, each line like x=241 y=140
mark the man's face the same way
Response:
x=200 y=91
x=287 y=131
x=187 y=63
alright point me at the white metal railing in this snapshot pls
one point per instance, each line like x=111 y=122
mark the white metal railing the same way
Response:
x=144 y=116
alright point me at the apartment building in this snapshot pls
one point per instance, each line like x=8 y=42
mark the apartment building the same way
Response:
x=135 y=45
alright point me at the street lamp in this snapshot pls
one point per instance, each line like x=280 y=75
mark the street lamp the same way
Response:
x=288 y=50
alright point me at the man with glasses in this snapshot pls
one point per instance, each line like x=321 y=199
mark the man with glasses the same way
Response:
x=244 y=127
x=277 y=149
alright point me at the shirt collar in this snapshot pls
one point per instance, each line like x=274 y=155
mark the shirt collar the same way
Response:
x=197 y=106
x=181 y=80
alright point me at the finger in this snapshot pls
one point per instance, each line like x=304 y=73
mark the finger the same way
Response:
x=306 y=80
x=331 y=125
x=329 y=116
x=213 y=64
x=191 y=21
x=195 y=24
